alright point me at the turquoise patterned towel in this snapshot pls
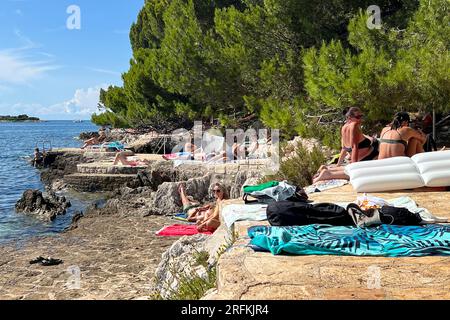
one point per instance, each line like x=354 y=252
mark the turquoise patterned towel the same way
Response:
x=384 y=240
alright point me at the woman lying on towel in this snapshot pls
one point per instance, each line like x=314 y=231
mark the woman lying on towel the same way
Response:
x=190 y=152
x=398 y=139
x=95 y=140
x=354 y=143
x=206 y=217
x=122 y=158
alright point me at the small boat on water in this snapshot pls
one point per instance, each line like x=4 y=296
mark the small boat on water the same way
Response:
x=77 y=121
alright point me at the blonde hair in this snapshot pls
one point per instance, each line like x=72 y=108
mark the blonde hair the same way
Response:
x=223 y=189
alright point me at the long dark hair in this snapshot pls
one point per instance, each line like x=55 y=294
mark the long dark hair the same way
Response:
x=399 y=118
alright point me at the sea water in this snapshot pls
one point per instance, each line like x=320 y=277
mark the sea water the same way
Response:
x=17 y=143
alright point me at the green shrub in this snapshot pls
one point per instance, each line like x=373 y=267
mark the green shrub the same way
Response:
x=300 y=167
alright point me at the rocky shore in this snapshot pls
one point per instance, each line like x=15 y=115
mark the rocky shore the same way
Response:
x=114 y=256
x=112 y=249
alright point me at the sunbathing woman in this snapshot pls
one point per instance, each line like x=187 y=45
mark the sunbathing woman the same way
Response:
x=95 y=140
x=122 y=158
x=398 y=139
x=354 y=143
x=206 y=216
x=211 y=220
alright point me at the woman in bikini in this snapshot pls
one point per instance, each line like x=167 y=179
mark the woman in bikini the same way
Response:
x=398 y=139
x=95 y=140
x=206 y=217
x=355 y=143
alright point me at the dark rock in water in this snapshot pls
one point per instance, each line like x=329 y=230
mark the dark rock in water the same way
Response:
x=43 y=207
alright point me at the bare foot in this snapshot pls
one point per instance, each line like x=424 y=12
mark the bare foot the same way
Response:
x=181 y=189
x=324 y=175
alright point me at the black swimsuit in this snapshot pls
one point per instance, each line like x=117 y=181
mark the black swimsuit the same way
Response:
x=366 y=143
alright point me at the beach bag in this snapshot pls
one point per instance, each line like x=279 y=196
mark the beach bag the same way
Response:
x=274 y=191
x=290 y=213
x=399 y=216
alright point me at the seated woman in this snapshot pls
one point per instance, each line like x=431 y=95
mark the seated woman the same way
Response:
x=398 y=139
x=95 y=140
x=354 y=143
x=206 y=217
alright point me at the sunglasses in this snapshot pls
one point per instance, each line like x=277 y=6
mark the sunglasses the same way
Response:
x=217 y=190
x=359 y=116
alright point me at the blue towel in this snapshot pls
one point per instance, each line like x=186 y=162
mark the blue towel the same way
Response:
x=384 y=240
x=116 y=145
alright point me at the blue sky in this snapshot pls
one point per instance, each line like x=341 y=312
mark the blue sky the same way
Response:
x=50 y=71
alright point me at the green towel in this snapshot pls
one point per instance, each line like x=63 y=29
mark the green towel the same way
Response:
x=260 y=187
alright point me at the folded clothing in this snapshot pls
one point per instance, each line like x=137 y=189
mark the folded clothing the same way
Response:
x=178 y=230
x=238 y=212
x=384 y=240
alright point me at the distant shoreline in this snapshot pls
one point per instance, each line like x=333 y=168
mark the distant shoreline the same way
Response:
x=19 y=118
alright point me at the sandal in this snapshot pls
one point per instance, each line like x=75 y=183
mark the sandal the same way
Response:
x=51 y=262
x=37 y=260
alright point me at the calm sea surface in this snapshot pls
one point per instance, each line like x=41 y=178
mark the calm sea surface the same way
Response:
x=17 y=142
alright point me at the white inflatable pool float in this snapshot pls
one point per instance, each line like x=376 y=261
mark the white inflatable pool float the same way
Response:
x=431 y=169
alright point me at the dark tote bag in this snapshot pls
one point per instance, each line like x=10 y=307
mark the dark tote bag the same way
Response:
x=290 y=213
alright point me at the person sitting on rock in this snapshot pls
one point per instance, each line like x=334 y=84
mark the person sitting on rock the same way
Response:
x=355 y=144
x=207 y=216
x=38 y=159
x=398 y=139
x=95 y=140
x=211 y=219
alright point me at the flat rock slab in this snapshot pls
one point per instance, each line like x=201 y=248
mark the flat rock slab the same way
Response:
x=245 y=274
x=116 y=258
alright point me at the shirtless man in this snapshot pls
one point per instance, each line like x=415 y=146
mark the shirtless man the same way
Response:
x=398 y=139
x=355 y=143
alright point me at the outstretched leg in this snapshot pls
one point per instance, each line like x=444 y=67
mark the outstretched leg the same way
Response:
x=184 y=199
x=336 y=173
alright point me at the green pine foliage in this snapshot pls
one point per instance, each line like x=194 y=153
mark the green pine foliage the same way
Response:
x=288 y=64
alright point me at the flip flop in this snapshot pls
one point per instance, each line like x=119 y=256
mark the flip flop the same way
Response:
x=51 y=262
x=37 y=260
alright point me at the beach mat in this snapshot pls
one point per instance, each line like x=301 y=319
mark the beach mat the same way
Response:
x=178 y=230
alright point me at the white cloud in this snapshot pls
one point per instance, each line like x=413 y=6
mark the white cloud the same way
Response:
x=105 y=71
x=84 y=101
x=18 y=69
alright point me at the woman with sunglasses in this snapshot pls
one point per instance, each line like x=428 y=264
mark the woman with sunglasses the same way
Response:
x=210 y=221
x=207 y=216
x=355 y=143
x=398 y=139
